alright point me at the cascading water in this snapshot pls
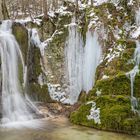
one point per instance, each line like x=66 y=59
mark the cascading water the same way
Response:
x=132 y=74
x=92 y=55
x=137 y=17
x=14 y=107
x=74 y=54
x=81 y=61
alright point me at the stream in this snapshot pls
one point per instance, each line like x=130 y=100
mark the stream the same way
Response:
x=60 y=129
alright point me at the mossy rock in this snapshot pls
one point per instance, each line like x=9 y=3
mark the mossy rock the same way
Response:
x=39 y=93
x=117 y=85
x=63 y=20
x=82 y=97
x=115 y=115
x=137 y=86
x=21 y=35
x=80 y=116
x=55 y=49
x=47 y=28
x=122 y=64
x=34 y=64
x=36 y=91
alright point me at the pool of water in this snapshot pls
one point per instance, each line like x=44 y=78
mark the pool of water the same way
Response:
x=60 y=129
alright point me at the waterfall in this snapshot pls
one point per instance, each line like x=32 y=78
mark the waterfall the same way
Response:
x=74 y=54
x=92 y=55
x=14 y=107
x=132 y=74
x=35 y=39
x=81 y=61
x=137 y=17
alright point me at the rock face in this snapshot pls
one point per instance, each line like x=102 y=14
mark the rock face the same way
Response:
x=112 y=90
x=37 y=92
x=21 y=34
x=108 y=105
x=56 y=36
x=32 y=59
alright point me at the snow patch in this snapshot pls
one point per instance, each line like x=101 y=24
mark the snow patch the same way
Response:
x=105 y=77
x=56 y=92
x=114 y=52
x=98 y=2
x=35 y=39
x=94 y=113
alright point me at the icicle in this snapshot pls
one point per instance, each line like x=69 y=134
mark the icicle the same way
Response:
x=36 y=41
x=92 y=55
x=81 y=61
x=74 y=53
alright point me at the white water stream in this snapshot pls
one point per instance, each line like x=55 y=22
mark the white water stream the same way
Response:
x=132 y=74
x=81 y=61
x=74 y=53
x=92 y=56
x=14 y=104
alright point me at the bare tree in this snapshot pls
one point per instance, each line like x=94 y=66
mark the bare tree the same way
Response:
x=3 y=10
x=45 y=8
x=1 y=16
x=32 y=8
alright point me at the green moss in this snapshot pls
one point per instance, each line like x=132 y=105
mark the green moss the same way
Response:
x=117 y=85
x=34 y=64
x=20 y=72
x=36 y=91
x=132 y=125
x=47 y=29
x=63 y=20
x=115 y=115
x=114 y=101
x=55 y=48
x=127 y=43
x=39 y=93
x=21 y=35
x=82 y=97
x=80 y=116
x=121 y=64
x=137 y=86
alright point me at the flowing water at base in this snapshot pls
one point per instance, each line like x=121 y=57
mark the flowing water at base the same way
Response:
x=61 y=129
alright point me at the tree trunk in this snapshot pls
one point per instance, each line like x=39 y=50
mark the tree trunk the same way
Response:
x=1 y=16
x=3 y=10
x=45 y=8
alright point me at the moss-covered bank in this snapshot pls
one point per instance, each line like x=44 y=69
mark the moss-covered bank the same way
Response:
x=32 y=58
x=112 y=89
x=115 y=115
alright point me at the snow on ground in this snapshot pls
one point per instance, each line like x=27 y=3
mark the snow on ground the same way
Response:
x=56 y=92
x=63 y=11
x=99 y=2
x=114 y=52
x=94 y=113
x=29 y=19
x=136 y=33
x=35 y=39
